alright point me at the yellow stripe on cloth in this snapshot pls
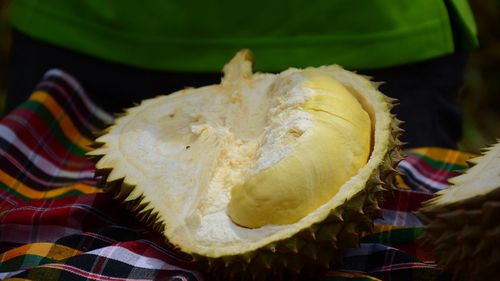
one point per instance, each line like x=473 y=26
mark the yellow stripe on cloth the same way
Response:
x=31 y=193
x=67 y=126
x=401 y=183
x=444 y=155
x=42 y=249
x=379 y=228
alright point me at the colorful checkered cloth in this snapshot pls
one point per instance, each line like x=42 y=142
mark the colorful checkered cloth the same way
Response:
x=56 y=224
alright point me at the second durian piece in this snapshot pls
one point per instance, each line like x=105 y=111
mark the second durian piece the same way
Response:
x=462 y=224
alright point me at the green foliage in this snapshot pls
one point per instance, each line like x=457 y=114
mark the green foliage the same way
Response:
x=480 y=97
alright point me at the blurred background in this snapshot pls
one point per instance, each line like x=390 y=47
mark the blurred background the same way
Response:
x=480 y=96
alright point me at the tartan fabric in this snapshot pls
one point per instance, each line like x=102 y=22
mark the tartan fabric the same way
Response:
x=56 y=224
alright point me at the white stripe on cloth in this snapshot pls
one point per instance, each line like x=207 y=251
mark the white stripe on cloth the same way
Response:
x=25 y=234
x=40 y=162
x=87 y=274
x=407 y=167
x=398 y=218
x=4 y=275
x=126 y=256
x=91 y=106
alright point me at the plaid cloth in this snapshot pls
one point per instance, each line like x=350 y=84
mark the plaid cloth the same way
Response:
x=56 y=224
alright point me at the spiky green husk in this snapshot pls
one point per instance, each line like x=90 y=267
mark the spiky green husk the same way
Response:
x=305 y=254
x=464 y=235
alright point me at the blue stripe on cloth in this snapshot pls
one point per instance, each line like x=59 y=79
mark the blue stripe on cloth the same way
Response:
x=398 y=218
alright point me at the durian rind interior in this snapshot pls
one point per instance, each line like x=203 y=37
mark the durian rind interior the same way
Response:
x=193 y=153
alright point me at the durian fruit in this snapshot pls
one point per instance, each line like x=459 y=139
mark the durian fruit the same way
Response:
x=462 y=223
x=262 y=177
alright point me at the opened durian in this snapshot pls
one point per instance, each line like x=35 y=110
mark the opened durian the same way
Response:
x=462 y=223
x=264 y=176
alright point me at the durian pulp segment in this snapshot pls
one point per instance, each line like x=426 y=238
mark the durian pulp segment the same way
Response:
x=324 y=156
x=478 y=180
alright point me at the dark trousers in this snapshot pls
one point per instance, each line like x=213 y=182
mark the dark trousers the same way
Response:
x=112 y=86
x=426 y=90
x=427 y=94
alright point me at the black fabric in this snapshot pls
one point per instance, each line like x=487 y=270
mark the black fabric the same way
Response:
x=427 y=95
x=113 y=86
x=426 y=90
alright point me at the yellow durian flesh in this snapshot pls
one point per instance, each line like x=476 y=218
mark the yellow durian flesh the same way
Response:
x=185 y=155
x=322 y=159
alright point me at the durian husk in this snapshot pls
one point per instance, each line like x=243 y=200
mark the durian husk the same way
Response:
x=308 y=252
x=303 y=255
x=464 y=234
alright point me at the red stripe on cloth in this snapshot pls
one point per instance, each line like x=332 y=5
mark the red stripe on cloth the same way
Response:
x=77 y=111
x=410 y=265
x=74 y=84
x=80 y=212
x=51 y=148
x=7 y=200
x=418 y=250
x=88 y=274
x=152 y=250
x=406 y=200
x=66 y=124
x=88 y=199
x=439 y=175
x=44 y=122
x=87 y=179
x=21 y=233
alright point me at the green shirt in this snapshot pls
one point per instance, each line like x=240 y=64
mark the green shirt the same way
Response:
x=203 y=35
